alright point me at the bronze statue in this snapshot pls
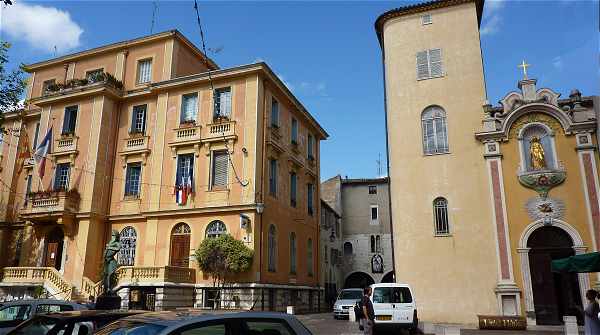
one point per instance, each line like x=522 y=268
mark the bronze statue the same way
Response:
x=110 y=264
x=536 y=153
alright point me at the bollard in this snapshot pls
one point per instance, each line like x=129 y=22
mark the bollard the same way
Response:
x=351 y=315
x=570 y=325
x=290 y=310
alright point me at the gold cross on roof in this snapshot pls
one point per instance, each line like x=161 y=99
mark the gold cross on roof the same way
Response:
x=524 y=66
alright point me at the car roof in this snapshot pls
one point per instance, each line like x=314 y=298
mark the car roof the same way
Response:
x=38 y=302
x=182 y=318
x=390 y=285
x=89 y=313
x=353 y=289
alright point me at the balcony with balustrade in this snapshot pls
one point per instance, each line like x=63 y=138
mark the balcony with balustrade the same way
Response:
x=47 y=277
x=221 y=131
x=57 y=206
x=187 y=134
x=66 y=145
x=136 y=144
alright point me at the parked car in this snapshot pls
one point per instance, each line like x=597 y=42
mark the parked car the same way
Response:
x=69 y=323
x=14 y=312
x=205 y=322
x=345 y=302
x=394 y=306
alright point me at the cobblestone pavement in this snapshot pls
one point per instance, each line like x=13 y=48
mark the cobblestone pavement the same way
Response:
x=325 y=324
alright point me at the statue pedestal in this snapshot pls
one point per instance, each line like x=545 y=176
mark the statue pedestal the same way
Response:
x=108 y=301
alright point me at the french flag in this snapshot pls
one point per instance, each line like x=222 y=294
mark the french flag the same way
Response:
x=183 y=191
x=42 y=150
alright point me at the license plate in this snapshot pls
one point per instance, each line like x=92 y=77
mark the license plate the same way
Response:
x=384 y=317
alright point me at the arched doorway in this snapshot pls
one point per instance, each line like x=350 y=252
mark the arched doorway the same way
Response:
x=180 y=245
x=554 y=294
x=358 y=280
x=54 y=248
x=388 y=278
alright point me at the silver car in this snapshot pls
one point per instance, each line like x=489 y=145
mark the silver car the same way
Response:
x=207 y=322
x=346 y=301
x=14 y=312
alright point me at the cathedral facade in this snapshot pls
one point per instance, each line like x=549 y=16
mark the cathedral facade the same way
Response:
x=483 y=197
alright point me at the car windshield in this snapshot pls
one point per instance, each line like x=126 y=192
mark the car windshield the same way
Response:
x=36 y=326
x=16 y=312
x=350 y=295
x=124 y=327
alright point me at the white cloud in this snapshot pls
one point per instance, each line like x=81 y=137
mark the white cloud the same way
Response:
x=557 y=62
x=41 y=27
x=492 y=16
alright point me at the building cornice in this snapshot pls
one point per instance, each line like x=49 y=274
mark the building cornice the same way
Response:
x=182 y=211
x=419 y=8
x=120 y=45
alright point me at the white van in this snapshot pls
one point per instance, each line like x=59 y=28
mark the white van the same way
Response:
x=394 y=306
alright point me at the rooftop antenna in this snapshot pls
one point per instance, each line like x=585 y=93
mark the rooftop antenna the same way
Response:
x=154 y=9
x=379 y=165
x=55 y=51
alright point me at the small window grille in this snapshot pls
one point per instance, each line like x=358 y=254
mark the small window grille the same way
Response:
x=440 y=215
x=426 y=19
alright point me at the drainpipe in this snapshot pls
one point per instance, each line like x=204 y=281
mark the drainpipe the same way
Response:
x=387 y=155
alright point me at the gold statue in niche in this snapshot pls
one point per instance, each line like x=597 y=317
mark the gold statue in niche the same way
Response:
x=536 y=153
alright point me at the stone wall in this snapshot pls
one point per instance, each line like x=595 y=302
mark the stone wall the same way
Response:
x=360 y=261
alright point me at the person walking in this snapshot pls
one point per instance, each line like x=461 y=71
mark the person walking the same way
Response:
x=369 y=314
x=592 y=323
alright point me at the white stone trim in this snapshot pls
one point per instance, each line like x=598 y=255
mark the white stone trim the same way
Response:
x=523 y=251
x=588 y=205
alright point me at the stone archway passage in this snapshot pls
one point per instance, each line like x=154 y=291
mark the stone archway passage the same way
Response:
x=554 y=294
x=388 y=278
x=358 y=280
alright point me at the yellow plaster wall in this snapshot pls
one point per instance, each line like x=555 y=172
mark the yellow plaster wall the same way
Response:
x=453 y=277
x=571 y=192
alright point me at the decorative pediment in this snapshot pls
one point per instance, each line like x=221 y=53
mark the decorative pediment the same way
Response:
x=514 y=100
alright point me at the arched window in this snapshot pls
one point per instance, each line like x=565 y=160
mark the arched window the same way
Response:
x=180 y=245
x=347 y=249
x=310 y=257
x=293 y=253
x=440 y=215
x=272 y=248
x=435 y=135
x=126 y=255
x=529 y=136
x=378 y=244
x=372 y=243
x=215 y=229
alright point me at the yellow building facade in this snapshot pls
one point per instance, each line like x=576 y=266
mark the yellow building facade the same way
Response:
x=482 y=198
x=152 y=139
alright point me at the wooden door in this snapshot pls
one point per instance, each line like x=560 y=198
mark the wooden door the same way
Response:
x=180 y=250
x=52 y=255
x=544 y=294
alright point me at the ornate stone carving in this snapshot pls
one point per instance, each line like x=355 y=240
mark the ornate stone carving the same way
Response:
x=545 y=209
x=526 y=119
x=542 y=181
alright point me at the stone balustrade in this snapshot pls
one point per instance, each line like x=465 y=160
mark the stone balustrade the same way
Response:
x=187 y=134
x=49 y=203
x=155 y=274
x=89 y=288
x=138 y=143
x=66 y=144
x=46 y=276
x=220 y=130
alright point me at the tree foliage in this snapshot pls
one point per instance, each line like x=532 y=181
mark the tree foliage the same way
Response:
x=12 y=84
x=222 y=257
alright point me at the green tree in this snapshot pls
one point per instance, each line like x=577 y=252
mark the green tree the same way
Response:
x=222 y=258
x=12 y=84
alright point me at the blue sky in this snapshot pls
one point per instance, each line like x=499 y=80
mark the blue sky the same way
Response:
x=326 y=52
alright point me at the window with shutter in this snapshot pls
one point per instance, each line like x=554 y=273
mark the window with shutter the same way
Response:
x=309 y=198
x=429 y=64
x=274 y=113
x=294 y=132
x=435 y=62
x=310 y=144
x=222 y=97
x=185 y=169
x=273 y=177
x=220 y=169
x=293 y=182
x=70 y=120
x=36 y=135
x=189 y=107
x=435 y=135
x=138 y=119
x=144 y=74
x=422 y=65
